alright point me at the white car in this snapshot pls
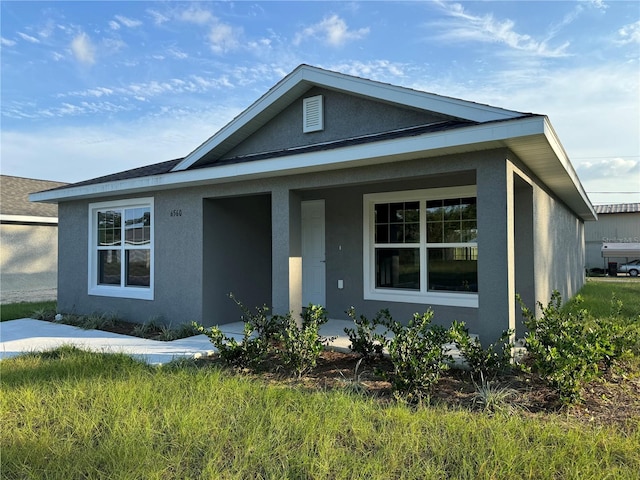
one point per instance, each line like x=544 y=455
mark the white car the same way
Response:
x=632 y=268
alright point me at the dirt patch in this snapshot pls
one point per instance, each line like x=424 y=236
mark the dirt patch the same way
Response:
x=611 y=400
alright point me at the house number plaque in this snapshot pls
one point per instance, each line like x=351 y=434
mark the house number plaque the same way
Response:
x=176 y=213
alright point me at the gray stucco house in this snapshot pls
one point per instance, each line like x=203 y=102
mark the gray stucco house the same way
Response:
x=340 y=191
x=29 y=241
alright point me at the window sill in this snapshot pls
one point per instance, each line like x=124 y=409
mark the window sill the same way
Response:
x=119 y=292
x=467 y=300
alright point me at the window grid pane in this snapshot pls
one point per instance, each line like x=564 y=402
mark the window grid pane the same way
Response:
x=138 y=271
x=109 y=228
x=453 y=269
x=398 y=268
x=109 y=267
x=452 y=220
x=397 y=222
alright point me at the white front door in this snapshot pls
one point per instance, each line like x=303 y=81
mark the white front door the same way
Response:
x=313 y=253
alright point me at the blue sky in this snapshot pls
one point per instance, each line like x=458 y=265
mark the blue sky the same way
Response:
x=91 y=88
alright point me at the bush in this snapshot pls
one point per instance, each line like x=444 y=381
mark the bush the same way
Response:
x=246 y=353
x=418 y=354
x=566 y=348
x=260 y=333
x=364 y=338
x=489 y=362
x=275 y=337
x=301 y=346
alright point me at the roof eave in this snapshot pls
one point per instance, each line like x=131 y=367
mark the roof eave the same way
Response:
x=518 y=135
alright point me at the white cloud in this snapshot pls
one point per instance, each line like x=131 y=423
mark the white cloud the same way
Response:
x=6 y=42
x=609 y=167
x=224 y=38
x=128 y=22
x=195 y=14
x=381 y=70
x=28 y=38
x=113 y=25
x=177 y=53
x=83 y=49
x=630 y=33
x=158 y=18
x=331 y=30
x=466 y=27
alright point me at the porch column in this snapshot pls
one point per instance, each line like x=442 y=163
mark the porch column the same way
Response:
x=496 y=257
x=286 y=250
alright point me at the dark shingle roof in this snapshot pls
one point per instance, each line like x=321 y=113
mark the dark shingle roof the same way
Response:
x=618 y=208
x=146 y=171
x=14 y=196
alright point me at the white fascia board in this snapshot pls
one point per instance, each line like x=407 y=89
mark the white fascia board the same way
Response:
x=561 y=155
x=408 y=97
x=28 y=219
x=365 y=154
x=359 y=86
x=246 y=116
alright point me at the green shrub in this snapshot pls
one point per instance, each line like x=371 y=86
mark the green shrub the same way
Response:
x=301 y=346
x=260 y=334
x=364 y=338
x=489 y=362
x=264 y=326
x=418 y=354
x=565 y=347
x=240 y=354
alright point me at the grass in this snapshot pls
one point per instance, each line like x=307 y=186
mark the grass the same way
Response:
x=14 y=311
x=598 y=293
x=72 y=414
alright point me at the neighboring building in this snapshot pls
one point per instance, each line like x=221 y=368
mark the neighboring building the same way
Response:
x=619 y=223
x=335 y=190
x=29 y=241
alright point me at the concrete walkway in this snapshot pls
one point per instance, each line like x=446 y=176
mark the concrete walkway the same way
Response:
x=28 y=335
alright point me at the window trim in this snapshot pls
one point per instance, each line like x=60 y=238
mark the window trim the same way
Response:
x=123 y=291
x=424 y=296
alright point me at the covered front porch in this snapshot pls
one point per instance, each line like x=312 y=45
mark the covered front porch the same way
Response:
x=302 y=242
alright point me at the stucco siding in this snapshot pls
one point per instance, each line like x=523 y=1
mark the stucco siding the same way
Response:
x=559 y=248
x=177 y=292
x=28 y=258
x=244 y=237
x=345 y=116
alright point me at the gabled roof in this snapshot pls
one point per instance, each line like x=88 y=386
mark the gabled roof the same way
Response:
x=14 y=200
x=305 y=77
x=465 y=127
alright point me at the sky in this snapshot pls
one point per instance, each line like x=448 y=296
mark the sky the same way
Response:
x=92 y=88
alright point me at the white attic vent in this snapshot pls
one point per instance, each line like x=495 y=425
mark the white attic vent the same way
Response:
x=312 y=117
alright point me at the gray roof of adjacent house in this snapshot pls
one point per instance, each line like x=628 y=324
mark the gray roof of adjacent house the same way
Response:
x=617 y=208
x=14 y=197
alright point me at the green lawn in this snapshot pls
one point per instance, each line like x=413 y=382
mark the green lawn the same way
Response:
x=78 y=415
x=69 y=414
x=13 y=311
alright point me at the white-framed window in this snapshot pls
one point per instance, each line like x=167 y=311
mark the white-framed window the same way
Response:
x=420 y=246
x=121 y=248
